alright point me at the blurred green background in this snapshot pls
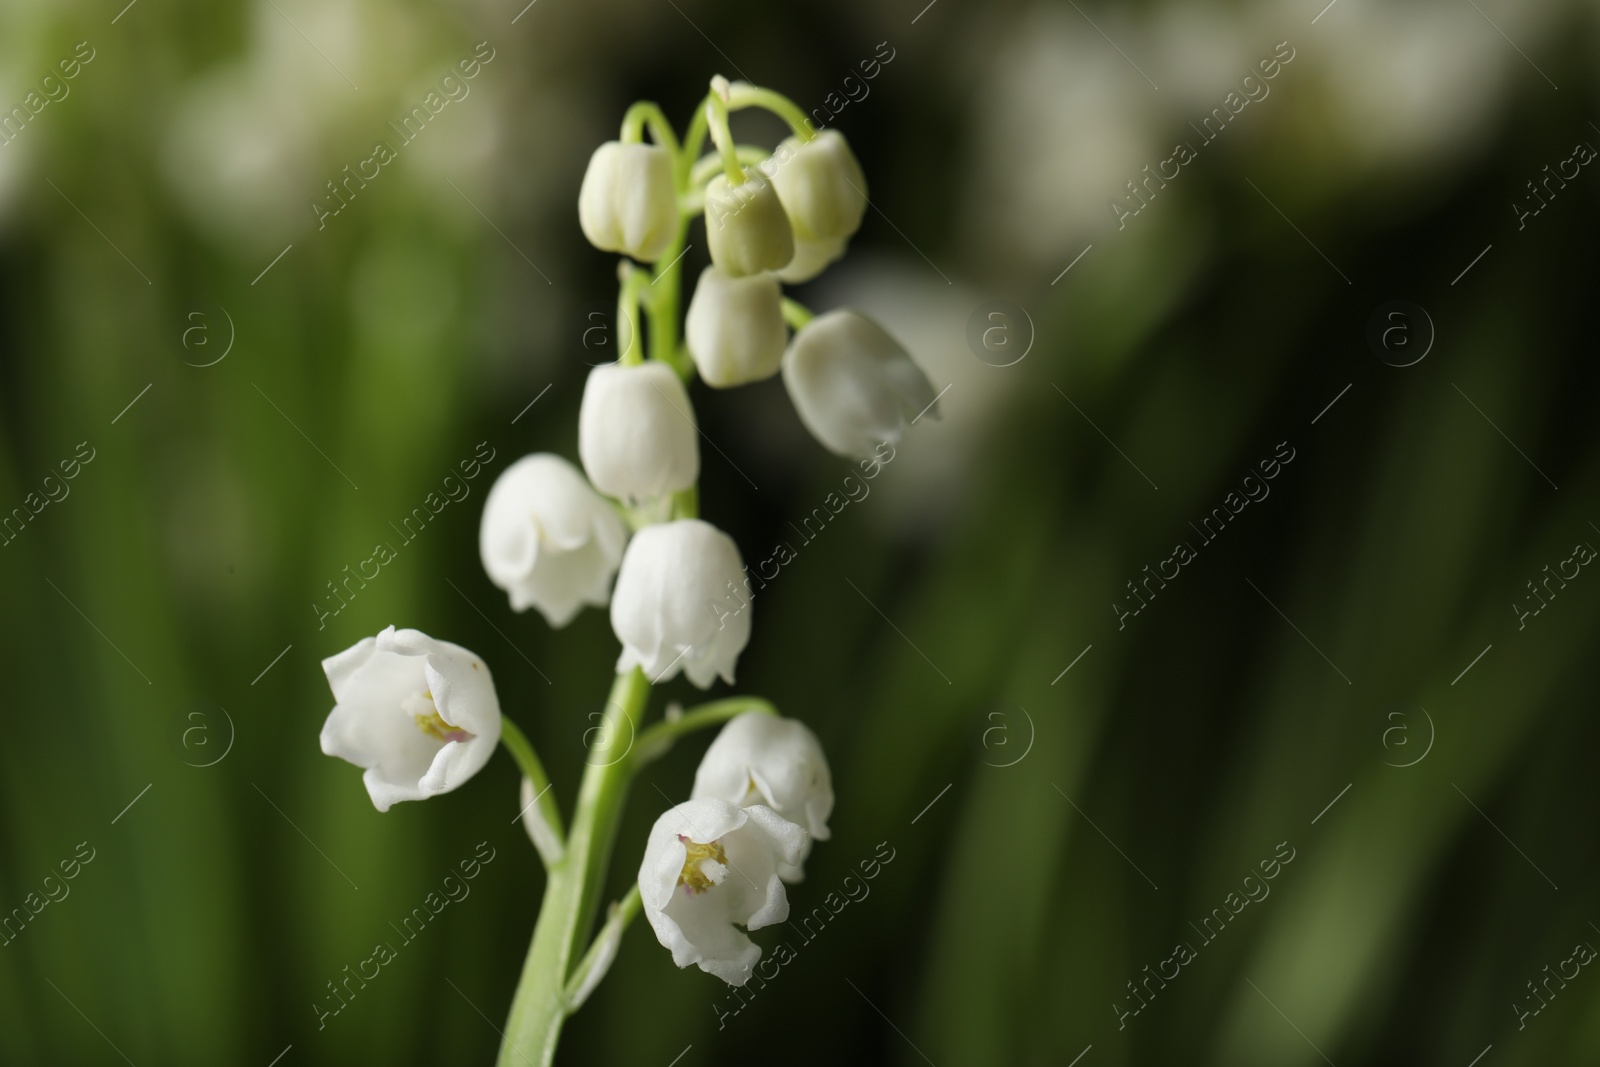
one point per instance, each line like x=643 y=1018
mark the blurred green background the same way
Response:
x=1093 y=816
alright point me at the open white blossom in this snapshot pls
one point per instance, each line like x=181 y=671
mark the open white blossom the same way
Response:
x=820 y=185
x=709 y=865
x=675 y=606
x=852 y=384
x=747 y=230
x=636 y=431
x=759 y=758
x=734 y=329
x=420 y=715
x=548 y=539
x=628 y=202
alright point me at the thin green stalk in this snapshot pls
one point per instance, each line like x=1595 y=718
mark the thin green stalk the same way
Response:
x=743 y=95
x=572 y=893
x=629 y=293
x=693 y=138
x=686 y=503
x=795 y=313
x=516 y=743
x=661 y=300
x=645 y=112
x=706 y=167
x=722 y=137
x=656 y=741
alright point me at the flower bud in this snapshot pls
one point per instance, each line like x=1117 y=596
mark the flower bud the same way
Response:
x=548 y=539
x=678 y=603
x=820 y=185
x=636 y=431
x=852 y=384
x=811 y=258
x=735 y=329
x=420 y=715
x=746 y=227
x=628 y=202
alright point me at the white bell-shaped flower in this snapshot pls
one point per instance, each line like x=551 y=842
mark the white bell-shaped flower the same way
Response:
x=420 y=715
x=709 y=865
x=628 y=202
x=548 y=539
x=820 y=185
x=811 y=258
x=735 y=329
x=759 y=758
x=852 y=383
x=680 y=603
x=636 y=431
x=746 y=227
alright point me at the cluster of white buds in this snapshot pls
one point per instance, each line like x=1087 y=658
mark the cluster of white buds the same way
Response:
x=770 y=219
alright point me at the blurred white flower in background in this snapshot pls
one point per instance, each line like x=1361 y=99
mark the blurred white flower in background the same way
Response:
x=251 y=143
x=28 y=41
x=1060 y=122
x=1416 y=83
x=1064 y=121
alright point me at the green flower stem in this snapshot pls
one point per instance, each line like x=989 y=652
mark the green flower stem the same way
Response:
x=795 y=313
x=661 y=304
x=706 y=167
x=661 y=301
x=722 y=137
x=692 y=142
x=743 y=95
x=686 y=503
x=572 y=893
x=629 y=294
x=638 y=116
x=656 y=741
x=516 y=743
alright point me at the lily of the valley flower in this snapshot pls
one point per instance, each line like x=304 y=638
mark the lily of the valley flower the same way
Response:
x=420 y=715
x=669 y=610
x=548 y=539
x=746 y=228
x=735 y=329
x=759 y=758
x=627 y=202
x=820 y=185
x=852 y=384
x=636 y=431
x=709 y=865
